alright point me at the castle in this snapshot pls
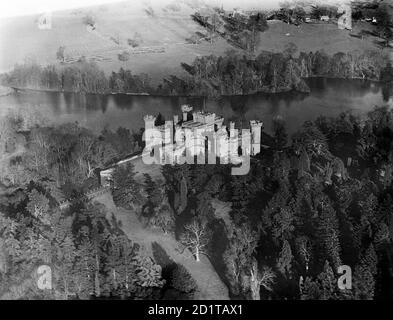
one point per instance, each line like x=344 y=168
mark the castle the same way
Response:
x=197 y=132
x=173 y=140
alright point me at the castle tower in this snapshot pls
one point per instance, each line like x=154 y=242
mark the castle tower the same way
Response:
x=256 y=127
x=149 y=121
x=185 y=108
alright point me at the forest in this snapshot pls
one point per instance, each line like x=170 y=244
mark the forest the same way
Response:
x=312 y=202
x=83 y=77
x=241 y=31
x=270 y=72
x=231 y=74
x=44 y=167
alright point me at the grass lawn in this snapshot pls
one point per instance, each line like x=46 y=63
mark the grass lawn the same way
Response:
x=209 y=284
x=312 y=37
x=165 y=32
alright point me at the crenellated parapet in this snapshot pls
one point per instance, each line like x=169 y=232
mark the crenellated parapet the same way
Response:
x=203 y=132
x=186 y=108
x=256 y=124
x=204 y=117
x=149 y=117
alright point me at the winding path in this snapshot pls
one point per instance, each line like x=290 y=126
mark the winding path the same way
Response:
x=210 y=286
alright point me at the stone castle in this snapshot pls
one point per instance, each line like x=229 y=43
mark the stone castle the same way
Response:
x=198 y=131
x=171 y=144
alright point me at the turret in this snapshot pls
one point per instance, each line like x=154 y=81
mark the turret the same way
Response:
x=185 y=108
x=149 y=121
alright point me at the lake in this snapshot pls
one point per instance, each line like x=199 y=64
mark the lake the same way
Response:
x=328 y=97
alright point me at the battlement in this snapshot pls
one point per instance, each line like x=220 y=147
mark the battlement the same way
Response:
x=149 y=117
x=256 y=124
x=204 y=117
x=186 y=108
x=206 y=122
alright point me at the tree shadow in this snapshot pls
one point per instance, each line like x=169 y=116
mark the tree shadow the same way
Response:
x=173 y=288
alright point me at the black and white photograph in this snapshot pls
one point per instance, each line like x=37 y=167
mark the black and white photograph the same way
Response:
x=198 y=150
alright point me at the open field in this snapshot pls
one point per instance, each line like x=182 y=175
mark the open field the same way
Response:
x=162 y=34
x=163 y=39
x=313 y=37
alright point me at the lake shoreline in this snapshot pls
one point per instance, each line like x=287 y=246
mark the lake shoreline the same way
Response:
x=6 y=90
x=328 y=97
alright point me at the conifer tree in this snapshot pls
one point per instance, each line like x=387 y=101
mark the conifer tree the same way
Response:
x=284 y=262
x=126 y=190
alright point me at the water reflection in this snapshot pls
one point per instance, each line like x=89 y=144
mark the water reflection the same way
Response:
x=387 y=92
x=328 y=97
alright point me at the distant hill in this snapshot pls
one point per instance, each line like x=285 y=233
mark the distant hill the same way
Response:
x=156 y=38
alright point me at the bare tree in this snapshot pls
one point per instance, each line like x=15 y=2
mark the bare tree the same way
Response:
x=264 y=278
x=196 y=237
x=304 y=248
x=238 y=255
x=250 y=41
x=215 y=25
x=84 y=154
x=286 y=10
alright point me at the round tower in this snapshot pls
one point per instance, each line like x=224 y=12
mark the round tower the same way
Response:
x=149 y=121
x=185 y=108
